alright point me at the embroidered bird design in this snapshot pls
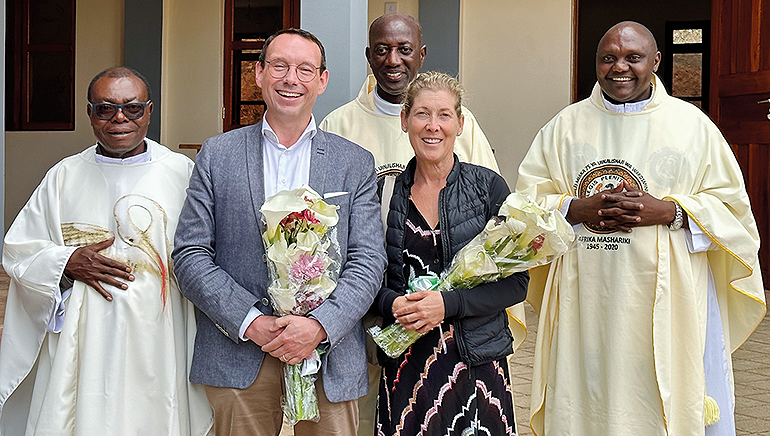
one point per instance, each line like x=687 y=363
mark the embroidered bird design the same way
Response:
x=141 y=223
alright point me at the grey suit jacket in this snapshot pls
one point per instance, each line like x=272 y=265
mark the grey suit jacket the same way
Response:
x=218 y=257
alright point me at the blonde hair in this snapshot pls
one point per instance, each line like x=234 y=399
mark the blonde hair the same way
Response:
x=434 y=81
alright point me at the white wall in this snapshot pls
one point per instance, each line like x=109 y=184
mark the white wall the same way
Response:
x=28 y=155
x=515 y=61
x=377 y=8
x=192 y=81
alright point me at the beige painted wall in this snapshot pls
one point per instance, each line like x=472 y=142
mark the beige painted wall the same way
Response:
x=377 y=8
x=192 y=80
x=28 y=155
x=515 y=61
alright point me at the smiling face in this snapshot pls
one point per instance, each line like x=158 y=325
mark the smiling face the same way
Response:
x=395 y=54
x=432 y=125
x=289 y=100
x=625 y=60
x=119 y=136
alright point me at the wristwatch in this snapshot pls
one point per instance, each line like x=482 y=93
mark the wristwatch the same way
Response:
x=678 y=218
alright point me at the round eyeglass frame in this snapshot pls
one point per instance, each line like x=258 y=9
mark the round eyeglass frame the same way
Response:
x=278 y=75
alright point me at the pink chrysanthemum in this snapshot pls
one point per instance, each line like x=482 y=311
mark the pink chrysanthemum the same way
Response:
x=306 y=268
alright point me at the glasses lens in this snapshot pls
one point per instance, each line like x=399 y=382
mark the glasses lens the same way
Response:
x=133 y=111
x=305 y=72
x=278 y=69
x=105 y=111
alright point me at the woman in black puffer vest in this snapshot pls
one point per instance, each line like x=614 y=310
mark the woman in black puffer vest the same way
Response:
x=454 y=378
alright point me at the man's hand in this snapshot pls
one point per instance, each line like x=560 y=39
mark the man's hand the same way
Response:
x=263 y=329
x=423 y=312
x=299 y=337
x=88 y=266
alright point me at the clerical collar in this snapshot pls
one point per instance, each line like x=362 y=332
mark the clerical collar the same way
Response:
x=142 y=157
x=626 y=108
x=384 y=107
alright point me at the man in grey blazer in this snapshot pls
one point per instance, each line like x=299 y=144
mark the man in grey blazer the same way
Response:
x=219 y=256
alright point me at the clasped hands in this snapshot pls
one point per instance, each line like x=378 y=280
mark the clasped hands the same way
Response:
x=621 y=208
x=420 y=311
x=288 y=338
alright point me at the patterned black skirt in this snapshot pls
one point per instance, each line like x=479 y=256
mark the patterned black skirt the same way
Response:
x=429 y=391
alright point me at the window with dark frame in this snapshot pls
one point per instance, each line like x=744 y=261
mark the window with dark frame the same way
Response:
x=686 y=67
x=247 y=24
x=40 y=65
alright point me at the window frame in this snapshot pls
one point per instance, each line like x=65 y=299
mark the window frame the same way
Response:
x=19 y=71
x=703 y=48
x=234 y=53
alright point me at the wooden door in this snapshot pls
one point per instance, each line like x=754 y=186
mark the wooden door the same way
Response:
x=740 y=78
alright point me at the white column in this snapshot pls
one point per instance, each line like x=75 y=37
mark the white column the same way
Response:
x=341 y=25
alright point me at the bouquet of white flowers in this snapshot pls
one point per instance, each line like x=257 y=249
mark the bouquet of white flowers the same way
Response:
x=303 y=258
x=523 y=236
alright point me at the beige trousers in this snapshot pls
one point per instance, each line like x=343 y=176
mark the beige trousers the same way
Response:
x=256 y=410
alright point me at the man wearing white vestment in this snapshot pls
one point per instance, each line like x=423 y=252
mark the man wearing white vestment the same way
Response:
x=97 y=337
x=638 y=319
x=395 y=55
x=373 y=121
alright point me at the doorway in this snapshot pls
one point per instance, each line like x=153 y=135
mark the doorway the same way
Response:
x=593 y=18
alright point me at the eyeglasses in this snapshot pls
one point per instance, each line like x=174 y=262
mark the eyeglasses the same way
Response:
x=132 y=111
x=279 y=69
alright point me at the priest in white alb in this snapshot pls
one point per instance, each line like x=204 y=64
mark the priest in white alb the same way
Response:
x=97 y=338
x=638 y=320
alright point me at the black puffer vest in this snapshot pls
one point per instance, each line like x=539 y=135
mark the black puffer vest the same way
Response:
x=472 y=195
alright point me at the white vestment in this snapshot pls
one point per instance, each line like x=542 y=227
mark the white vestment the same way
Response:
x=117 y=367
x=623 y=316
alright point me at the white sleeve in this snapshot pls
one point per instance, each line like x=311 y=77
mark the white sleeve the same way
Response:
x=56 y=321
x=696 y=238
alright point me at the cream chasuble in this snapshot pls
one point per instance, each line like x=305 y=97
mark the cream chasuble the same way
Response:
x=119 y=367
x=622 y=322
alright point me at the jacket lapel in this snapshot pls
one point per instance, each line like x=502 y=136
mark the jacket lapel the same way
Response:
x=319 y=162
x=255 y=169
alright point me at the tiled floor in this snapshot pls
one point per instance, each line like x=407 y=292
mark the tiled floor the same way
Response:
x=751 y=364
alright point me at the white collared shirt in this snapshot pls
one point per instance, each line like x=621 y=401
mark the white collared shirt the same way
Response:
x=286 y=167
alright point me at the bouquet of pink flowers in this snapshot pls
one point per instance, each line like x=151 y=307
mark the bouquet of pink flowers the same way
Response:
x=303 y=258
x=523 y=236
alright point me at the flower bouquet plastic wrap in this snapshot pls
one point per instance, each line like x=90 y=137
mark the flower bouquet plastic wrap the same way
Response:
x=521 y=237
x=303 y=259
